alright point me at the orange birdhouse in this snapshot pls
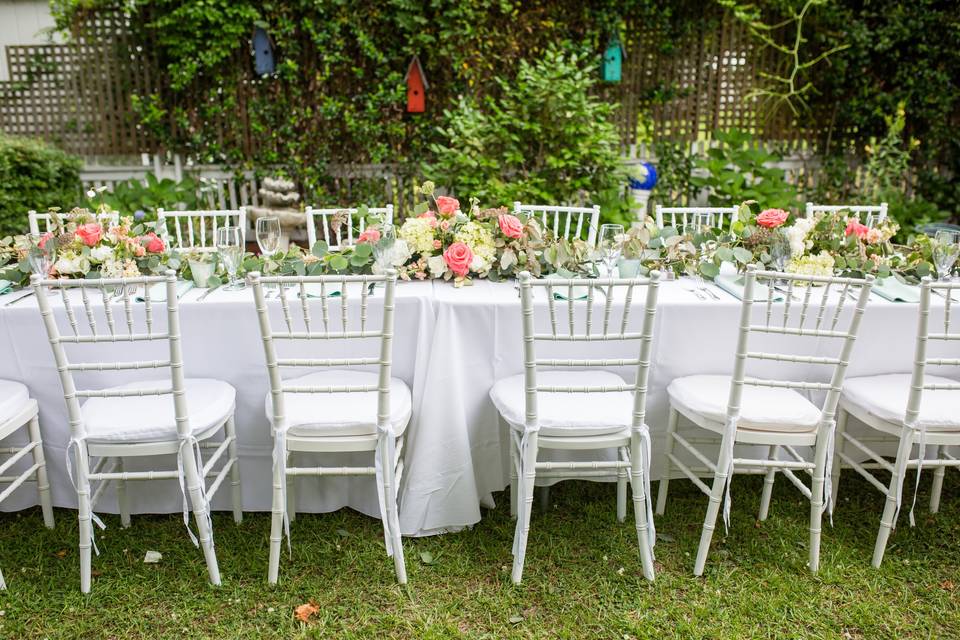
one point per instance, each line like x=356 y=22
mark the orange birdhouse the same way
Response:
x=416 y=86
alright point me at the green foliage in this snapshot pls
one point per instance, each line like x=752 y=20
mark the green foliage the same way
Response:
x=546 y=138
x=675 y=167
x=738 y=171
x=33 y=176
x=133 y=197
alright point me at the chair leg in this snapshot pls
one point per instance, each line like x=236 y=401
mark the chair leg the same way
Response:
x=768 y=481
x=276 y=524
x=235 y=495
x=638 y=485
x=665 y=478
x=201 y=512
x=43 y=484
x=937 y=487
x=622 y=486
x=820 y=463
x=713 y=506
x=122 y=502
x=84 y=513
x=514 y=462
x=528 y=467
x=291 y=493
x=839 y=439
x=391 y=516
x=887 y=522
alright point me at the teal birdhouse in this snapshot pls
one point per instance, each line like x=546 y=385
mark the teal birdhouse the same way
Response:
x=611 y=67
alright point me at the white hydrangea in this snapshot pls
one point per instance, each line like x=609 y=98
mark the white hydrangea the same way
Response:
x=797 y=235
x=418 y=235
x=821 y=264
x=120 y=269
x=101 y=253
x=480 y=240
x=71 y=262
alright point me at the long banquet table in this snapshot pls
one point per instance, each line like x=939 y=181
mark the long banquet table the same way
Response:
x=450 y=346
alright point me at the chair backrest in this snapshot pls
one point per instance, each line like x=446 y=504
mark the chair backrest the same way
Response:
x=341 y=323
x=858 y=209
x=921 y=360
x=808 y=323
x=197 y=230
x=101 y=324
x=679 y=217
x=565 y=222
x=43 y=222
x=341 y=227
x=578 y=323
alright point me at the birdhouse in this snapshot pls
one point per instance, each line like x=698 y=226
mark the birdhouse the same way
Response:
x=610 y=68
x=263 y=61
x=416 y=86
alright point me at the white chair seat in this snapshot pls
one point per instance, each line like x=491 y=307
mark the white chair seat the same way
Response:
x=341 y=414
x=567 y=414
x=762 y=408
x=13 y=397
x=152 y=418
x=885 y=397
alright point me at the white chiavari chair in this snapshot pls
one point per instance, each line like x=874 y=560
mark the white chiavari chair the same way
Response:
x=565 y=222
x=679 y=217
x=578 y=404
x=760 y=410
x=858 y=209
x=340 y=407
x=197 y=230
x=17 y=410
x=171 y=416
x=43 y=222
x=351 y=225
x=917 y=408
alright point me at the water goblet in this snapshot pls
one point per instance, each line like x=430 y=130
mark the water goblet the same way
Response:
x=230 y=247
x=268 y=239
x=946 y=250
x=383 y=247
x=611 y=245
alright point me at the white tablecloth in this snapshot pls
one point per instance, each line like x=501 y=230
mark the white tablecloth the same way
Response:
x=450 y=346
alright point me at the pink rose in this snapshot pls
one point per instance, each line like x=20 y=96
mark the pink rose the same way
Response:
x=43 y=239
x=510 y=225
x=444 y=225
x=370 y=235
x=437 y=244
x=90 y=233
x=856 y=228
x=153 y=243
x=427 y=214
x=772 y=218
x=447 y=206
x=458 y=257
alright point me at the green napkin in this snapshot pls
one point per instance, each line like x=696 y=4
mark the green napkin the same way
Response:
x=158 y=291
x=5 y=287
x=892 y=289
x=562 y=293
x=734 y=283
x=315 y=289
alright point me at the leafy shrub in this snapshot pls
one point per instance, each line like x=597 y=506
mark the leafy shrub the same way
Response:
x=737 y=172
x=547 y=138
x=132 y=196
x=34 y=175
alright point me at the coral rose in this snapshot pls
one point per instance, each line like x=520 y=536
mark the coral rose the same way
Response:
x=510 y=225
x=153 y=243
x=857 y=228
x=458 y=257
x=447 y=206
x=90 y=233
x=369 y=235
x=772 y=218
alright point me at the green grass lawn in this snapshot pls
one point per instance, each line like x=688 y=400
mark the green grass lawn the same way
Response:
x=582 y=577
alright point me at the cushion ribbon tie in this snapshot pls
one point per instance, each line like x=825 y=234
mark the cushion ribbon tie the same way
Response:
x=521 y=481
x=280 y=462
x=386 y=448
x=75 y=442
x=191 y=441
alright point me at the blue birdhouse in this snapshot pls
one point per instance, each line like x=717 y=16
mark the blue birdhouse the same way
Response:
x=263 y=60
x=610 y=68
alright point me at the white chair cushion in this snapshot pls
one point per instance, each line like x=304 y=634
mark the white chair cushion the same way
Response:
x=762 y=408
x=152 y=418
x=567 y=414
x=341 y=414
x=13 y=396
x=886 y=398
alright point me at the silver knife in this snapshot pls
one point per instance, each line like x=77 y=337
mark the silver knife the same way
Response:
x=20 y=298
x=207 y=292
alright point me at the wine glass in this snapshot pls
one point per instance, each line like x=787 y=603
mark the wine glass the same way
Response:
x=383 y=247
x=873 y=220
x=611 y=245
x=268 y=238
x=41 y=255
x=230 y=247
x=946 y=250
x=780 y=250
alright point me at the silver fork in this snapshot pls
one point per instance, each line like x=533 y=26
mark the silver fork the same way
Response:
x=703 y=287
x=692 y=288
